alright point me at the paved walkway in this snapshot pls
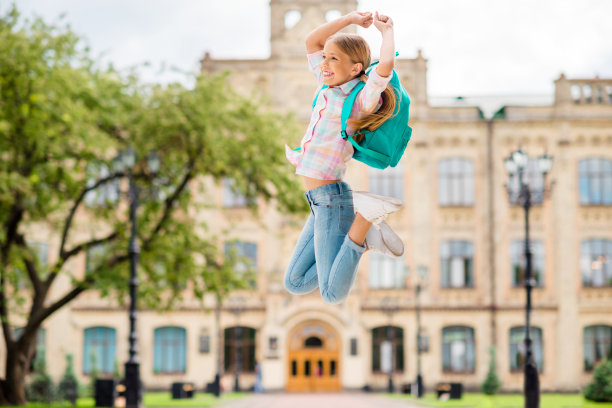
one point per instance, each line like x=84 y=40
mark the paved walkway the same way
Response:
x=318 y=400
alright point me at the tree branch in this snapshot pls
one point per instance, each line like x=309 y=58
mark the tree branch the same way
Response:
x=10 y=227
x=77 y=202
x=37 y=318
x=168 y=207
x=30 y=266
x=67 y=254
x=6 y=327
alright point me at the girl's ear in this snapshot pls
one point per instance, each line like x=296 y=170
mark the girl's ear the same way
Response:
x=357 y=68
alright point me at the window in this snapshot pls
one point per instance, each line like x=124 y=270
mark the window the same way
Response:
x=457 y=264
x=386 y=272
x=519 y=262
x=246 y=254
x=232 y=197
x=517 y=347
x=597 y=345
x=99 y=350
x=388 y=182
x=595 y=181
x=353 y=346
x=104 y=194
x=458 y=349
x=387 y=346
x=456 y=182
x=204 y=344
x=169 y=350
x=596 y=262
x=239 y=346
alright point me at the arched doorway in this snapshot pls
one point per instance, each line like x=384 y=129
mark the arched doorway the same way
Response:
x=314 y=358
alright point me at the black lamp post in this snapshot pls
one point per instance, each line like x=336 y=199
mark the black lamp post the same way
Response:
x=125 y=161
x=421 y=280
x=389 y=306
x=524 y=194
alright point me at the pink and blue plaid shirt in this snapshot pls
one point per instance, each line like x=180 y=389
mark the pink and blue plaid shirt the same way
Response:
x=324 y=153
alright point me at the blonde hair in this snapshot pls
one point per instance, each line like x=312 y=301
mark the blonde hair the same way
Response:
x=358 y=51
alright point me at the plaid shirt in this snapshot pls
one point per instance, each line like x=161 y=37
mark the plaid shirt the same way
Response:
x=324 y=154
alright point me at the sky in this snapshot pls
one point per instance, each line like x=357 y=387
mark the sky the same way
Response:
x=483 y=48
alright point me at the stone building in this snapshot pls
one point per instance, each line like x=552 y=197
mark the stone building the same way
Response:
x=463 y=248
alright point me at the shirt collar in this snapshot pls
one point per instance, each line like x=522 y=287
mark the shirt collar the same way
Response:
x=347 y=87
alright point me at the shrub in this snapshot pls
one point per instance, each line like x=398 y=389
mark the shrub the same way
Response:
x=68 y=388
x=41 y=388
x=600 y=388
x=491 y=384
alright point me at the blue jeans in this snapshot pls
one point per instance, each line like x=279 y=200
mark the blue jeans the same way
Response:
x=325 y=256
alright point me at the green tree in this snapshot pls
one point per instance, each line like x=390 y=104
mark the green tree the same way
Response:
x=69 y=385
x=491 y=384
x=600 y=388
x=62 y=121
x=41 y=388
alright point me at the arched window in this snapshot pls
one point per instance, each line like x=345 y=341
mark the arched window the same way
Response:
x=517 y=347
x=595 y=181
x=596 y=262
x=99 y=350
x=239 y=346
x=456 y=182
x=597 y=341
x=313 y=342
x=387 y=349
x=458 y=355
x=457 y=264
x=169 y=350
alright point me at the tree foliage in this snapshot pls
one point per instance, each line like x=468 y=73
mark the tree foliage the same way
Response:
x=491 y=384
x=63 y=120
x=600 y=388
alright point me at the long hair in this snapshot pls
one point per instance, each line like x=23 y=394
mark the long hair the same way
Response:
x=358 y=51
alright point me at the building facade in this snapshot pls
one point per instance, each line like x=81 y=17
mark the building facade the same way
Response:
x=463 y=243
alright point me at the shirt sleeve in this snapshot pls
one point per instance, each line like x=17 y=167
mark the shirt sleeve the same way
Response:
x=370 y=96
x=314 y=62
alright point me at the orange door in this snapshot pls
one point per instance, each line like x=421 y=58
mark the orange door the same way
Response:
x=313 y=370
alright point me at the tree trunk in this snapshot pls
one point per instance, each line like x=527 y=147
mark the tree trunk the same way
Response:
x=12 y=390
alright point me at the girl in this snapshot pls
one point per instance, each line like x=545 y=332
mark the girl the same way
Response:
x=338 y=231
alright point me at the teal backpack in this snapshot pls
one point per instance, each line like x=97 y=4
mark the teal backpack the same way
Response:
x=384 y=146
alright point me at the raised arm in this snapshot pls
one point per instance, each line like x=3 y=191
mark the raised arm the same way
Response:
x=384 y=24
x=315 y=41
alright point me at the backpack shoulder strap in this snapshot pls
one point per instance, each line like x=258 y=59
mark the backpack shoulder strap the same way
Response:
x=314 y=102
x=347 y=107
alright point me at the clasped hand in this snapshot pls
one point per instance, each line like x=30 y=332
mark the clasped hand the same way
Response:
x=365 y=19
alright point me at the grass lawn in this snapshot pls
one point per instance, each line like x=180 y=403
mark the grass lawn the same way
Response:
x=506 y=401
x=154 y=400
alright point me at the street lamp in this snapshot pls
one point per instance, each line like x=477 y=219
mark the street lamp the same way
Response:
x=125 y=162
x=420 y=282
x=389 y=306
x=522 y=193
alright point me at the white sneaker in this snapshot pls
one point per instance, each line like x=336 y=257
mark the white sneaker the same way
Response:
x=381 y=238
x=374 y=207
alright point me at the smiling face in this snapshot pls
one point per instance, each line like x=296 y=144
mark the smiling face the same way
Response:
x=337 y=67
